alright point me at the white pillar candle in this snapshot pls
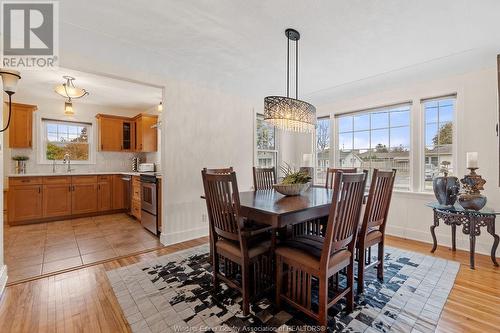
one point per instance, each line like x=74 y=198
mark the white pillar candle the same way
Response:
x=472 y=160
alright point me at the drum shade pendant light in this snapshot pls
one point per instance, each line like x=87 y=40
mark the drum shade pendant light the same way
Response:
x=68 y=89
x=287 y=113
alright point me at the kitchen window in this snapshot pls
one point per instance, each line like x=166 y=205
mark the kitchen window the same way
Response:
x=322 y=149
x=438 y=135
x=267 y=152
x=64 y=137
x=376 y=139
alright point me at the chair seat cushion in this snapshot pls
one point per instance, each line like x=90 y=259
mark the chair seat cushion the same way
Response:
x=373 y=236
x=256 y=248
x=307 y=253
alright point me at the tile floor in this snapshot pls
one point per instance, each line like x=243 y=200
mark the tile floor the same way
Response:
x=37 y=249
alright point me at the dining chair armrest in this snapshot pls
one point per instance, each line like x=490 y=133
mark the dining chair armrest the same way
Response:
x=256 y=231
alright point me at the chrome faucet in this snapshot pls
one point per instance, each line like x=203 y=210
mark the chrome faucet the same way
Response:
x=67 y=160
x=53 y=166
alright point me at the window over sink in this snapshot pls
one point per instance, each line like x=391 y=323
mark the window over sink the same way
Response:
x=66 y=137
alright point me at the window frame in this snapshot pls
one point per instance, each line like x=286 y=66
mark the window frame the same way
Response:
x=275 y=151
x=423 y=123
x=315 y=148
x=389 y=108
x=42 y=158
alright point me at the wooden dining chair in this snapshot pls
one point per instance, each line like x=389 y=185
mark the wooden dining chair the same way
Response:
x=239 y=252
x=372 y=230
x=330 y=175
x=299 y=262
x=264 y=178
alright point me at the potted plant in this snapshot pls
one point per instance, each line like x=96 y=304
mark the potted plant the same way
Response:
x=20 y=163
x=294 y=182
x=445 y=188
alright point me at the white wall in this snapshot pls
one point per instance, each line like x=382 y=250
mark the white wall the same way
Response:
x=53 y=109
x=202 y=128
x=3 y=267
x=476 y=117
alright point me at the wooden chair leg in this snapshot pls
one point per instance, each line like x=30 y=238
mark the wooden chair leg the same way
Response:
x=361 y=270
x=350 y=285
x=245 y=287
x=215 y=269
x=279 y=280
x=380 y=267
x=323 y=301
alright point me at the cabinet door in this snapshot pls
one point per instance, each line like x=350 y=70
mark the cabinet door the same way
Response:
x=110 y=134
x=149 y=135
x=104 y=201
x=21 y=125
x=25 y=203
x=84 y=198
x=119 y=193
x=138 y=134
x=56 y=200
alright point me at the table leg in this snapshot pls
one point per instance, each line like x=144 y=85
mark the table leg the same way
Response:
x=472 y=239
x=434 y=240
x=453 y=237
x=491 y=231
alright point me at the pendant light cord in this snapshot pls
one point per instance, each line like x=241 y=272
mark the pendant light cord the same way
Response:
x=287 y=67
x=297 y=69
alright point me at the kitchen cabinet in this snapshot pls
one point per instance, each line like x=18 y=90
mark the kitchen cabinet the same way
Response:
x=25 y=202
x=83 y=198
x=120 y=193
x=110 y=133
x=56 y=196
x=146 y=137
x=135 y=208
x=104 y=193
x=21 y=125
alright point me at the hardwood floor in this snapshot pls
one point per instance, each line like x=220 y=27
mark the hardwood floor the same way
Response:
x=83 y=301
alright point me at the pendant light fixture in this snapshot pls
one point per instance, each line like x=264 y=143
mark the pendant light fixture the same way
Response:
x=159 y=108
x=9 y=82
x=69 y=90
x=68 y=108
x=288 y=113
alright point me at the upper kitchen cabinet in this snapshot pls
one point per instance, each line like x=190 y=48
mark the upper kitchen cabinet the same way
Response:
x=146 y=138
x=127 y=134
x=21 y=125
x=115 y=133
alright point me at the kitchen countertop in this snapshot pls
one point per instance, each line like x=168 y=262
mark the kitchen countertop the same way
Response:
x=48 y=174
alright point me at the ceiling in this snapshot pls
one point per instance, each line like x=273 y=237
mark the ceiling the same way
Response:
x=239 y=45
x=104 y=91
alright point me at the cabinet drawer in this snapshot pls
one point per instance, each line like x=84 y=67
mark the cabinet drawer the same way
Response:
x=57 y=180
x=84 y=179
x=136 y=209
x=25 y=181
x=104 y=178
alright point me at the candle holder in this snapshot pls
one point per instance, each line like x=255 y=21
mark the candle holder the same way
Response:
x=472 y=185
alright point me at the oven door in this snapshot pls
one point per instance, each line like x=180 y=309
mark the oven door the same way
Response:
x=148 y=197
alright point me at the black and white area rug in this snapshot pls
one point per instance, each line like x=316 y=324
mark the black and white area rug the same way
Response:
x=173 y=293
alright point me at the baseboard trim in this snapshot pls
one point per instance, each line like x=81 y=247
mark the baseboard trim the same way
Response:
x=3 y=279
x=182 y=236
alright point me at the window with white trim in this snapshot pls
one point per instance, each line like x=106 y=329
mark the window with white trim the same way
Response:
x=267 y=152
x=438 y=135
x=376 y=139
x=322 y=149
x=65 y=137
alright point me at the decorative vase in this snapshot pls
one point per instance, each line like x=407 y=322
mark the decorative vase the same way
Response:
x=20 y=167
x=474 y=201
x=291 y=189
x=446 y=190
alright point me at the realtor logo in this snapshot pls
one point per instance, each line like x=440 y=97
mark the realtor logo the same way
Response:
x=29 y=32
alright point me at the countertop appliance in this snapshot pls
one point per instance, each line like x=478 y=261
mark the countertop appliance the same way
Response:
x=149 y=203
x=146 y=167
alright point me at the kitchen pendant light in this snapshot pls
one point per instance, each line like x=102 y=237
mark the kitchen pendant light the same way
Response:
x=68 y=89
x=159 y=108
x=68 y=108
x=287 y=113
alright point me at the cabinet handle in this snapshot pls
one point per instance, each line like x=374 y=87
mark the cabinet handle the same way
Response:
x=102 y=146
x=39 y=189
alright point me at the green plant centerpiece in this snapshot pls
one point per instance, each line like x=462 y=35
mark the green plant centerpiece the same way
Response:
x=294 y=182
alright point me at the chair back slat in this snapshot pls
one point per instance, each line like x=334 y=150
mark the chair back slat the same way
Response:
x=264 y=178
x=222 y=198
x=344 y=214
x=379 y=199
x=330 y=175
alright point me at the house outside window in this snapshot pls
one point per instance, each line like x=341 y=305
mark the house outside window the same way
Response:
x=438 y=136
x=63 y=137
x=322 y=149
x=376 y=139
x=267 y=152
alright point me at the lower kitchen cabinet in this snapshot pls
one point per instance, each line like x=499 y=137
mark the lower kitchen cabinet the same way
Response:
x=104 y=193
x=84 y=198
x=120 y=192
x=56 y=200
x=25 y=203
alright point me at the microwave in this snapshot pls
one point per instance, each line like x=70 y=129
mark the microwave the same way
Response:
x=146 y=167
